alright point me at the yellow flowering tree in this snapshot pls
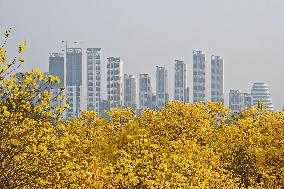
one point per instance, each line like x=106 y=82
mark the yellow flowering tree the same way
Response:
x=167 y=149
x=251 y=146
x=28 y=125
x=180 y=146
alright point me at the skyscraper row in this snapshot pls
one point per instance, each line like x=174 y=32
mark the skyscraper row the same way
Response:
x=122 y=88
x=259 y=93
x=199 y=75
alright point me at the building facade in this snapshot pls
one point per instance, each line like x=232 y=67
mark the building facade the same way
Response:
x=217 y=79
x=115 y=78
x=145 y=91
x=104 y=106
x=56 y=68
x=162 y=95
x=239 y=101
x=246 y=101
x=93 y=79
x=130 y=91
x=234 y=101
x=198 y=76
x=260 y=93
x=73 y=81
x=181 y=91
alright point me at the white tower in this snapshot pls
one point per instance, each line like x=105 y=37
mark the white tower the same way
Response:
x=162 y=95
x=260 y=93
x=115 y=78
x=145 y=91
x=198 y=76
x=93 y=79
x=181 y=90
x=217 y=79
x=130 y=91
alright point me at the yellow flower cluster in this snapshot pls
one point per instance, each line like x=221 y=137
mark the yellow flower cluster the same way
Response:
x=180 y=146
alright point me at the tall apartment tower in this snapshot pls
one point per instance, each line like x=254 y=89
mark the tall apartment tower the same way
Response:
x=246 y=100
x=239 y=101
x=217 y=79
x=260 y=93
x=73 y=81
x=56 y=68
x=198 y=76
x=234 y=100
x=115 y=78
x=93 y=79
x=181 y=90
x=162 y=95
x=145 y=91
x=130 y=91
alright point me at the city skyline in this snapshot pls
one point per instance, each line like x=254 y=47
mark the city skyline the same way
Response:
x=248 y=35
x=122 y=87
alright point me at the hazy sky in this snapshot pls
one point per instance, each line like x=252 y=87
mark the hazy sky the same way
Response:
x=248 y=34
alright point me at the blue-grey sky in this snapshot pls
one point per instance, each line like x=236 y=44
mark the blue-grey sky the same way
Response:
x=248 y=34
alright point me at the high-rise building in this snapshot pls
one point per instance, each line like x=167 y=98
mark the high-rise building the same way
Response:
x=56 y=68
x=73 y=81
x=260 y=93
x=234 y=100
x=239 y=101
x=154 y=102
x=162 y=95
x=198 y=76
x=217 y=79
x=93 y=79
x=181 y=89
x=104 y=106
x=115 y=78
x=130 y=91
x=145 y=91
x=246 y=101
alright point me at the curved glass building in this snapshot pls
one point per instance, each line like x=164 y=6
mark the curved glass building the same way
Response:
x=260 y=93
